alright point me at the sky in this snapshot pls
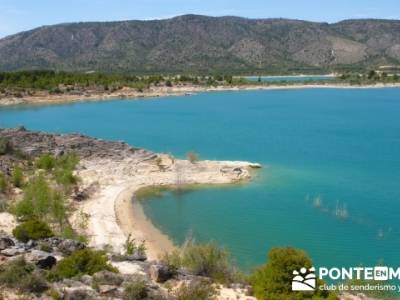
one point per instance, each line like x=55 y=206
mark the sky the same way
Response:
x=20 y=15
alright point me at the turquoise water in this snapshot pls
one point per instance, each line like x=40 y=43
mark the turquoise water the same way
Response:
x=290 y=78
x=340 y=144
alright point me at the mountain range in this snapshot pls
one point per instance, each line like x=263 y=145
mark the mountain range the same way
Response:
x=193 y=43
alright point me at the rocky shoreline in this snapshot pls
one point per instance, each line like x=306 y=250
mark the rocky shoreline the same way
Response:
x=114 y=171
x=111 y=173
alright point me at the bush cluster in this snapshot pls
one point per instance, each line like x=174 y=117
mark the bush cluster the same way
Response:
x=131 y=247
x=3 y=183
x=17 y=177
x=32 y=230
x=196 y=290
x=61 y=168
x=204 y=260
x=20 y=275
x=82 y=262
x=273 y=280
x=135 y=290
x=40 y=201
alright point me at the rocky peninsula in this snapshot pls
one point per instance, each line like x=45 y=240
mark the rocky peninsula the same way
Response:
x=114 y=171
x=110 y=174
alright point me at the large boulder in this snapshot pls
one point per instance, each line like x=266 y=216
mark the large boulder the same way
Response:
x=43 y=260
x=47 y=263
x=108 y=278
x=160 y=273
x=67 y=247
x=6 y=242
x=36 y=255
x=107 y=289
x=12 y=251
x=87 y=279
x=81 y=194
x=137 y=256
x=83 y=293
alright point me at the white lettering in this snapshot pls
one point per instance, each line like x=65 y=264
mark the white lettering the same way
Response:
x=358 y=272
x=368 y=273
x=347 y=273
x=334 y=273
x=394 y=274
x=323 y=272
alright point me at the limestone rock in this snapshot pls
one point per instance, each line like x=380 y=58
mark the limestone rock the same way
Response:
x=160 y=273
x=108 y=278
x=6 y=242
x=107 y=289
x=43 y=260
x=12 y=251
x=67 y=247
x=80 y=293
x=87 y=279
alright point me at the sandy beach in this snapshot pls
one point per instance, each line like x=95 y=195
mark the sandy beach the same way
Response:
x=112 y=212
x=132 y=220
x=42 y=98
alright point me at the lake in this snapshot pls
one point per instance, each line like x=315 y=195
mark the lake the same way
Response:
x=331 y=157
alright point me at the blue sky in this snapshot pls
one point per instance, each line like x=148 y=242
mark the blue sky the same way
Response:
x=18 y=15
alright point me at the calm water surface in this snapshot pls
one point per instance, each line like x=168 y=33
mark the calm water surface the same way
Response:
x=341 y=146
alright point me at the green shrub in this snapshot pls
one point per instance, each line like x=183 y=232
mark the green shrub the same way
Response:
x=3 y=183
x=82 y=262
x=58 y=209
x=3 y=204
x=135 y=290
x=12 y=272
x=34 y=283
x=172 y=260
x=209 y=260
x=196 y=290
x=62 y=168
x=131 y=247
x=32 y=230
x=36 y=201
x=46 y=162
x=5 y=146
x=17 y=177
x=65 y=177
x=40 y=201
x=68 y=232
x=204 y=260
x=18 y=274
x=273 y=280
x=65 y=166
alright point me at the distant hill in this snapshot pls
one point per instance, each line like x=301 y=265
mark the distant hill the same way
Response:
x=192 y=43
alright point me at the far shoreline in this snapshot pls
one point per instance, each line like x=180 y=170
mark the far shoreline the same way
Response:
x=159 y=92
